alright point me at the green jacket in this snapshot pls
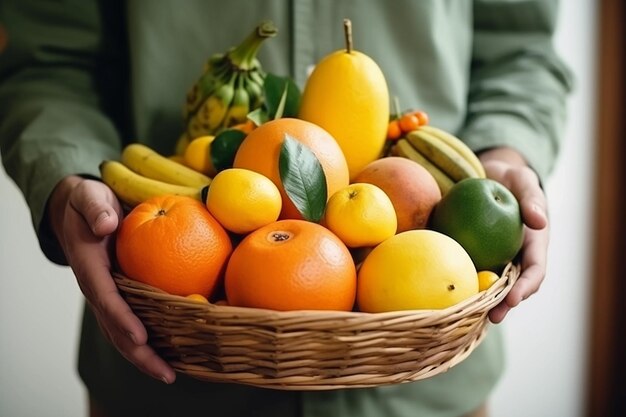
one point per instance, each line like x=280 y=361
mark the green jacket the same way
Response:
x=79 y=78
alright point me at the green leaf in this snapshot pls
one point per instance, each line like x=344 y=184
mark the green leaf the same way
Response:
x=281 y=105
x=303 y=178
x=258 y=116
x=224 y=147
x=275 y=87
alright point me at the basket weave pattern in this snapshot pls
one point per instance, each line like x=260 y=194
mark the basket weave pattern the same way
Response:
x=311 y=350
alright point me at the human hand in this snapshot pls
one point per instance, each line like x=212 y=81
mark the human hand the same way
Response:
x=509 y=167
x=84 y=215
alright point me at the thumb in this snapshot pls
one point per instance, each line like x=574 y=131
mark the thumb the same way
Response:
x=97 y=204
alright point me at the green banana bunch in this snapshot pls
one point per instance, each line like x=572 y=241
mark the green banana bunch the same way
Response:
x=143 y=173
x=230 y=87
x=446 y=157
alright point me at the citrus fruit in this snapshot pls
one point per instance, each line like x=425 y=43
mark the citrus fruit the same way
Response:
x=260 y=152
x=361 y=214
x=243 y=200
x=197 y=155
x=291 y=265
x=411 y=188
x=484 y=217
x=347 y=95
x=197 y=298
x=486 y=279
x=416 y=269
x=173 y=243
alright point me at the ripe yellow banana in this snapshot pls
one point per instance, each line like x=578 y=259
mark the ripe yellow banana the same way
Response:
x=132 y=188
x=442 y=155
x=404 y=149
x=458 y=145
x=149 y=163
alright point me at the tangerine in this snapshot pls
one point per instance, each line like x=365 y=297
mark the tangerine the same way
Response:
x=260 y=152
x=291 y=265
x=361 y=214
x=173 y=243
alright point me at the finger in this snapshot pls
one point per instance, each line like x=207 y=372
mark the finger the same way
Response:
x=144 y=358
x=87 y=254
x=96 y=283
x=533 y=273
x=96 y=203
x=524 y=184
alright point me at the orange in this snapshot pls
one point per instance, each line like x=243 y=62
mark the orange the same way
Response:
x=291 y=265
x=360 y=215
x=416 y=269
x=260 y=151
x=173 y=243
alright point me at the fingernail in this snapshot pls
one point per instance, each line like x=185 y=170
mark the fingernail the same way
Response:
x=539 y=210
x=102 y=216
x=164 y=379
x=132 y=337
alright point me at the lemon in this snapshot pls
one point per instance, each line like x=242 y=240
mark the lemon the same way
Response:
x=198 y=155
x=347 y=95
x=360 y=215
x=198 y=298
x=243 y=200
x=416 y=269
x=486 y=279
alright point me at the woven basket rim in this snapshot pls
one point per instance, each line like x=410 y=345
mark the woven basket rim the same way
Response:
x=484 y=300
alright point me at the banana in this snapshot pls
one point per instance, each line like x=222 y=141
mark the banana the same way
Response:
x=442 y=155
x=221 y=95
x=403 y=148
x=458 y=145
x=240 y=105
x=255 y=92
x=132 y=188
x=147 y=162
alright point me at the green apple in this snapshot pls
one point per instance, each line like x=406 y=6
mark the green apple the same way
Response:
x=484 y=217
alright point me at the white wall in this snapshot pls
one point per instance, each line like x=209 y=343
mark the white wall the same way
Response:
x=547 y=334
x=40 y=304
x=40 y=307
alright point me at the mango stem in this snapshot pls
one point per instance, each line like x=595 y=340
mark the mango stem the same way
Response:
x=347 y=30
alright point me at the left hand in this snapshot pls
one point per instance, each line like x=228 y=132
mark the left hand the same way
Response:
x=509 y=167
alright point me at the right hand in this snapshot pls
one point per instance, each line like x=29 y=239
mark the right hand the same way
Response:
x=84 y=215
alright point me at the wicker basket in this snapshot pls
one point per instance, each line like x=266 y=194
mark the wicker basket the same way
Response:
x=311 y=350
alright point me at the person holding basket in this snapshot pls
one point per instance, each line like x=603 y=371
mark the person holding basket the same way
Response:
x=80 y=79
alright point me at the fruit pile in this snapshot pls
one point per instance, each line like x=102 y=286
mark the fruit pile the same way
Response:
x=320 y=209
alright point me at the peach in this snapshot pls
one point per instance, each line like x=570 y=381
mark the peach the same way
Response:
x=412 y=190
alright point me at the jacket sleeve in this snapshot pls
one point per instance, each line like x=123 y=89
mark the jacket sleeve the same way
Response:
x=518 y=84
x=52 y=118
